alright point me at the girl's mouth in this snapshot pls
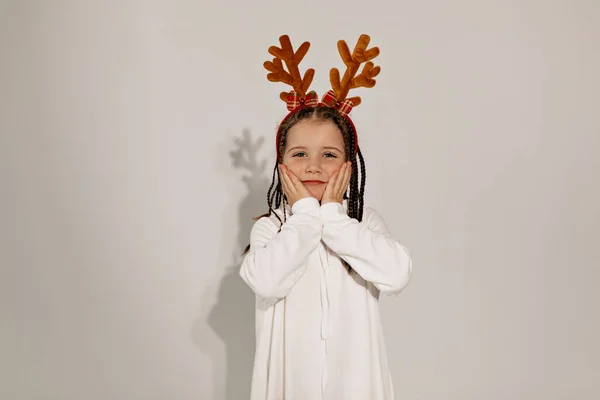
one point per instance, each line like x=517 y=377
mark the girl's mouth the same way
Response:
x=313 y=183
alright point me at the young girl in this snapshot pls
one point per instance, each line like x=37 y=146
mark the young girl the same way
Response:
x=319 y=259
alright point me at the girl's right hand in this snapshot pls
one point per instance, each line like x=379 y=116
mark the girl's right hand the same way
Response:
x=293 y=189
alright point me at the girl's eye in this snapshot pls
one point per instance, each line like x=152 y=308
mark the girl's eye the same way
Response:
x=303 y=154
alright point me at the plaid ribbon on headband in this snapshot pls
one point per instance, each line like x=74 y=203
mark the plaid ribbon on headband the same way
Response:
x=312 y=100
x=294 y=100
x=344 y=107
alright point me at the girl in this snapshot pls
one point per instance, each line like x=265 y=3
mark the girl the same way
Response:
x=319 y=259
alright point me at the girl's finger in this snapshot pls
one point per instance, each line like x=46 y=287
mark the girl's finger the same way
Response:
x=328 y=193
x=347 y=177
x=290 y=185
x=342 y=185
x=294 y=180
x=284 y=180
x=340 y=178
x=333 y=180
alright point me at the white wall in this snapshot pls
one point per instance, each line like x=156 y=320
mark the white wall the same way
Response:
x=122 y=211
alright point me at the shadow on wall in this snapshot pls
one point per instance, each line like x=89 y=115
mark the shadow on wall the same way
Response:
x=232 y=317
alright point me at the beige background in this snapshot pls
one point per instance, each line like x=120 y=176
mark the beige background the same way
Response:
x=122 y=208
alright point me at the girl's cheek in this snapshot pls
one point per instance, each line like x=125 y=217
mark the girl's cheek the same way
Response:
x=335 y=161
x=334 y=164
x=294 y=162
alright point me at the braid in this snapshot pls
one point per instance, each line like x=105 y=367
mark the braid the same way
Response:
x=356 y=197
x=352 y=205
x=270 y=196
x=363 y=180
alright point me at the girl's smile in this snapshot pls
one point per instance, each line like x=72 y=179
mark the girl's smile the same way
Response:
x=313 y=183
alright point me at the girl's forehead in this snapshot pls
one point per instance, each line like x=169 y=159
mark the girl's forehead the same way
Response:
x=309 y=133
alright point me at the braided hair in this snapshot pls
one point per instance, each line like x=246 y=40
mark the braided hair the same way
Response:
x=355 y=194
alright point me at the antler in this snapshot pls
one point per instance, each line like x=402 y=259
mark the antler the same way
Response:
x=292 y=60
x=353 y=61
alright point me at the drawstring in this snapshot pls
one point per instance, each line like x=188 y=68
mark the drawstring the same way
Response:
x=324 y=256
x=324 y=294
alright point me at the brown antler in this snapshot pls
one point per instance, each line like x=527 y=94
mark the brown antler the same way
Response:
x=353 y=61
x=292 y=60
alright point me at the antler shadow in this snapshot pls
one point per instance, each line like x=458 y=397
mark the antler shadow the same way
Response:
x=232 y=317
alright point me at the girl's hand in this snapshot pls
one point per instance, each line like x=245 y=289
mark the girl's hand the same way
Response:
x=337 y=185
x=293 y=189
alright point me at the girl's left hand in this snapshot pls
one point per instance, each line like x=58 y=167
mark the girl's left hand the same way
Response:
x=338 y=184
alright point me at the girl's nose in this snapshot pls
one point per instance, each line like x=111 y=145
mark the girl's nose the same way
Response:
x=313 y=165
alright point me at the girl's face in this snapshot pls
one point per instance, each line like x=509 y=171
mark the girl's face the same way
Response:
x=314 y=151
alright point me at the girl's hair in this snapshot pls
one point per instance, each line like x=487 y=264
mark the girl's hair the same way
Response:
x=321 y=113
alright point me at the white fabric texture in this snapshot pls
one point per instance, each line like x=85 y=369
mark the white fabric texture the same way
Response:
x=318 y=328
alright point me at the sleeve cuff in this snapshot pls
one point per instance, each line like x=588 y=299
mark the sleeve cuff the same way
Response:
x=332 y=211
x=306 y=205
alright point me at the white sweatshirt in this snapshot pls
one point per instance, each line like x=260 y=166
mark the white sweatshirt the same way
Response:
x=318 y=328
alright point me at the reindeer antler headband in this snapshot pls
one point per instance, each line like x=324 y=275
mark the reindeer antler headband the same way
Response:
x=335 y=98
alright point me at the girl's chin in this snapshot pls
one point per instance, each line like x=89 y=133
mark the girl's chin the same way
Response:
x=318 y=194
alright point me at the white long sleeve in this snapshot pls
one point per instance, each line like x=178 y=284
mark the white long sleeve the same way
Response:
x=277 y=260
x=368 y=247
